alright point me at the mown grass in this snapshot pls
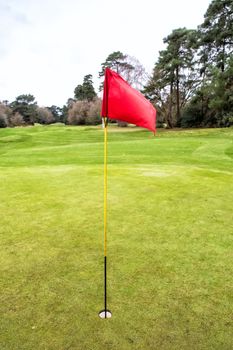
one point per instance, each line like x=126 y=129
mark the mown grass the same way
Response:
x=170 y=239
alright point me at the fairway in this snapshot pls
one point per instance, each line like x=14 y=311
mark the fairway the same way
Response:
x=170 y=239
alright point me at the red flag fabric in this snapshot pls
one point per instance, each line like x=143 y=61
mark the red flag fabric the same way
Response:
x=122 y=102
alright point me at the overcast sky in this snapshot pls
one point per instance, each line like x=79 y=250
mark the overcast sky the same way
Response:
x=47 y=46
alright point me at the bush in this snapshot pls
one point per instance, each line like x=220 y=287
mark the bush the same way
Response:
x=226 y=121
x=3 y=120
x=44 y=116
x=77 y=113
x=93 y=113
x=122 y=124
x=5 y=113
x=192 y=116
x=16 y=120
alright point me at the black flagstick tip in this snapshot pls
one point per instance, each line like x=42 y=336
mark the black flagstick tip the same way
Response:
x=105 y=314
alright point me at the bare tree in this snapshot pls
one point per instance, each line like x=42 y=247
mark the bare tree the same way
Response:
x=93 y=113
x=17 y=120
x=5 y=113
x=44 y=116
x=78 y=112
x=136 y=77
x=128 y=67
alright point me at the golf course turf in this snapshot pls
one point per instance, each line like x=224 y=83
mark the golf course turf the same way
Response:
x=170 y=239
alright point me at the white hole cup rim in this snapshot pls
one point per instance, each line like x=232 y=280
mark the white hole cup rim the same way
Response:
x=105 y=314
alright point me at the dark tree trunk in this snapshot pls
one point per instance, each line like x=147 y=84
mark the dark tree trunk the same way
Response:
x=223 y=58
x=169 y=117
x=177 y=96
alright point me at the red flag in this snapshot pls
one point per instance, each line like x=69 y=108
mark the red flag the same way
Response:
x=122 y=102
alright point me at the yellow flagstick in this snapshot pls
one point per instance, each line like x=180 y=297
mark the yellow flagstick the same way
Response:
x=105 y=211
x=105 y=182
x=105 y=313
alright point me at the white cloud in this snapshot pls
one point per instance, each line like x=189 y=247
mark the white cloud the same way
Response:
x=47 y=46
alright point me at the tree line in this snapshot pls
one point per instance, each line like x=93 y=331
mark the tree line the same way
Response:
x=192 y=81
x=191 y=84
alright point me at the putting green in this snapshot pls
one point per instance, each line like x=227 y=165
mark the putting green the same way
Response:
x=170 y=239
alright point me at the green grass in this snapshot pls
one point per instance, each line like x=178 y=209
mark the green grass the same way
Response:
x=170 y=239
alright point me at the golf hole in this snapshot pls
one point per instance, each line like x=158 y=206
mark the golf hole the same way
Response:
x=105 y=314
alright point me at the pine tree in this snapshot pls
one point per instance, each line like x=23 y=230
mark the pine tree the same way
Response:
x=174 y=77
x=85 y=91
x=216 y=35
x=116 y=61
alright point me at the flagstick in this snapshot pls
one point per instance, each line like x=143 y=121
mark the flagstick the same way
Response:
x=105 y=313
x=105 y=211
